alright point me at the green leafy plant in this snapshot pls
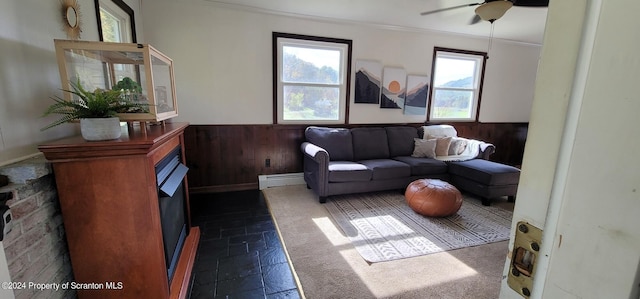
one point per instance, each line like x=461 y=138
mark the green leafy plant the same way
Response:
x=97 y=104
x=128 y=84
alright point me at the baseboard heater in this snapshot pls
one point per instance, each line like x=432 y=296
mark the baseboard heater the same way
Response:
x=285 y=179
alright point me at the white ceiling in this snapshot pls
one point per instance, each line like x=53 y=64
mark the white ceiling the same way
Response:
x=520 y=24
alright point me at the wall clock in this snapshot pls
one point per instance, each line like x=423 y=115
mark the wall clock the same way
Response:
x=72 y=20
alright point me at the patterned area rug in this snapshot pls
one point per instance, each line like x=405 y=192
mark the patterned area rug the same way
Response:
x=383 y=227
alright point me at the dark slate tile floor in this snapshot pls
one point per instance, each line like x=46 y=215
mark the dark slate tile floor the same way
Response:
x=240 y=255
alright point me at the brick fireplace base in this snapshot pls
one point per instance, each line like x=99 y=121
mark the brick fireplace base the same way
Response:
x=36 y=247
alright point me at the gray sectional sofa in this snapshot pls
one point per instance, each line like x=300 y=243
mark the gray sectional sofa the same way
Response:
x=364 y=159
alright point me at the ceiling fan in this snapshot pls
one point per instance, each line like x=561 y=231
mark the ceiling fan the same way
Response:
x=491 y=10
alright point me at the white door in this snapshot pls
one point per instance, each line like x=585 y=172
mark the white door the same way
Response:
x=580 y=180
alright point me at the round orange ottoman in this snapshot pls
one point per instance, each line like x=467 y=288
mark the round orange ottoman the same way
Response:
x=433 y=198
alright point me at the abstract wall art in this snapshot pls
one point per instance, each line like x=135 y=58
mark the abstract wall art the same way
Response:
x=417 y=93
x=394 y=84
x=368 y=81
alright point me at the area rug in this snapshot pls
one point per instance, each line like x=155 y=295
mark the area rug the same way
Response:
x=326 y=264
x=382 y=227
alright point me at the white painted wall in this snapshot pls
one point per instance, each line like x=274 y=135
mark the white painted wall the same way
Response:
x=223 y=64
x=29 y=70
x=223 y=61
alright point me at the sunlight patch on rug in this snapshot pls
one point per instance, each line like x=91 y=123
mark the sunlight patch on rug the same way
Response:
x=456 y=269
x=382 y=227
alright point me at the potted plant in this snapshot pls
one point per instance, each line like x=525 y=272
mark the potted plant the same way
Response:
x=97 y=111
x=130 y=89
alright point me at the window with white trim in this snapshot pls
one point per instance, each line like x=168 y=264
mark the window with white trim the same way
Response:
x=311 y=79
x=115 y=22
x=457 y=78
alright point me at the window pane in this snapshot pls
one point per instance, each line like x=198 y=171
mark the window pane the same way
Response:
x=306 y=65
x=310 y=82
x=310 y=102
x=452 y=104
x=111 y=27
x=454 y=73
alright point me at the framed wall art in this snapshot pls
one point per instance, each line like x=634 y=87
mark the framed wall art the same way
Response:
x=368 y=81
x=416 y=98
x=394 y=84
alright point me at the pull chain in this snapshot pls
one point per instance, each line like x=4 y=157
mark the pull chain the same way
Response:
x=490 y=39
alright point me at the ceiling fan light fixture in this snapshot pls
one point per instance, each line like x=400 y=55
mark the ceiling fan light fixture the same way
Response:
x=493 y=10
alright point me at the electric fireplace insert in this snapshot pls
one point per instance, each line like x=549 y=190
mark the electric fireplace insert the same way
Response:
x=170 y=173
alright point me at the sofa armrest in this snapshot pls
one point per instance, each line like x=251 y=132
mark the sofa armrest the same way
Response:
x=316 y=168
x=315 y=152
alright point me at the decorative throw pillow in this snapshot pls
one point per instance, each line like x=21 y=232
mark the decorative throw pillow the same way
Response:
x=424 y=148
x=458 y=145
x=442 y=146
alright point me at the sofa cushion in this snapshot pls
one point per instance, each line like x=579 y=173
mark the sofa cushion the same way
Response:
x=423 y=166
x=369 y=143
x=345 y=171
x=387 y=169
x=336 y=141
x=424 y=148
x=485 y=172
x=400 y=140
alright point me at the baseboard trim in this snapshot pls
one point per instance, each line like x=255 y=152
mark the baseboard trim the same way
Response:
x=223 y=188
x=264 y=181
x=285 y=179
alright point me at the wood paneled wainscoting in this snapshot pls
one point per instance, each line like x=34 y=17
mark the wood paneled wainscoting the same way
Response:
x=231 y=157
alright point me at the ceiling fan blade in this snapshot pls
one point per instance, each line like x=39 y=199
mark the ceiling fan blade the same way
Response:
x=531 y=3
x=475 y=20
x=449 y=8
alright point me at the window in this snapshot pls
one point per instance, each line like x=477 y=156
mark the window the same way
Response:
x=116 y=24
x=115 y=21
x=311 y=79
x=457 y=84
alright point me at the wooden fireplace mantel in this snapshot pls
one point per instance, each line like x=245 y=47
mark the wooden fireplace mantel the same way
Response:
x=109 y=201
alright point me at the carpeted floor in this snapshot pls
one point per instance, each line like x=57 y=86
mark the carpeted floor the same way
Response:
x=328 y=266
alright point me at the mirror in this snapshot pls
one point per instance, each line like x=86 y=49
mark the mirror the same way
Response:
x=72 y=17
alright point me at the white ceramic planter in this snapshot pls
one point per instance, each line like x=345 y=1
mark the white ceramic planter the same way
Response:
x=97 y=129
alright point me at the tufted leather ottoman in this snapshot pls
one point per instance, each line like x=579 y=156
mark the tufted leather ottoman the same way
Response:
x=434 y=198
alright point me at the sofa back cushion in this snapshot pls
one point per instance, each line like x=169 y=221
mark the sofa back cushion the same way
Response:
x=400 y=140
x=369 y=143
x=336 y=141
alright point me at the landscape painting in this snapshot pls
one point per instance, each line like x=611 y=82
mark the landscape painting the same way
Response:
x=417 y=92
x=394 y=83
x=368 y=80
